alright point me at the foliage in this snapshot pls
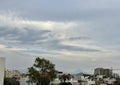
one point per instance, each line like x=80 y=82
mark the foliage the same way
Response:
x=65 y=77
x=42 y=71
x=117 y=82
x=8 y=81
x=65 y=83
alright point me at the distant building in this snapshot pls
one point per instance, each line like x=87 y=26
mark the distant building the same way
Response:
x=13 y=73
x=115 y=75
x=103 y=71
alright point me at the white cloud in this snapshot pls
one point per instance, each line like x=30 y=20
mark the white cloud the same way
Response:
x=2 y=46
x=13 y=21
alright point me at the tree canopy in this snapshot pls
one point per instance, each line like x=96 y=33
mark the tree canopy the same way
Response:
x=8 y=81
x=65 y=77
x=42 y=72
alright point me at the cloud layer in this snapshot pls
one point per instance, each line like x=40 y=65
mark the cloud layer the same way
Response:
x=83 y=32
x=43 y=35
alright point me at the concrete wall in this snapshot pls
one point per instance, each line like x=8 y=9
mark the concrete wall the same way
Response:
x=2 y=68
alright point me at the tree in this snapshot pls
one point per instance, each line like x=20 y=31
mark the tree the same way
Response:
x=65 y=77
x=42 y=72
x=68 y=83
x=8 y=81
x=117 y=82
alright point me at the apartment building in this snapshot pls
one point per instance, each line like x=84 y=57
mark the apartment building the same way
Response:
x=103 y=71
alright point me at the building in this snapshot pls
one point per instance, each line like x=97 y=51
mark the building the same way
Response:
x=103 y=71
x=2 y=67
x=12 y=73
x=15 y=75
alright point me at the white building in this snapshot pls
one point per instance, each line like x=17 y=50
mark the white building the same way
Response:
x=2 y=67
x=24 y=81
x=85 y=80
x=109 y=81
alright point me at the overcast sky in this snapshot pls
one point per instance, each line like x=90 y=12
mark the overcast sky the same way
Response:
x=76 y=35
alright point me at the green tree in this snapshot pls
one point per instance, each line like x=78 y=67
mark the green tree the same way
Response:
x=68 y=83
x=8 y=81
x=65 y=77
x=117 y=82
x=42 y=72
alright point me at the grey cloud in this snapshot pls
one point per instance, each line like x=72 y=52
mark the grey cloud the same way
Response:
x=29 y=36
x=23 y=35
x=33 y=36
x=64 y=10
x=57 y=45
x=78 y=38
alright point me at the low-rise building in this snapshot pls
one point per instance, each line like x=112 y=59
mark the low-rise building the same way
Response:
x=13 y=73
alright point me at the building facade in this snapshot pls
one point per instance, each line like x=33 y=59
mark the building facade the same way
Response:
x=103 y=71
x=12 y=73
x=2 y=67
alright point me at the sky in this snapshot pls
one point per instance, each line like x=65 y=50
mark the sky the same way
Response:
x=75 y=35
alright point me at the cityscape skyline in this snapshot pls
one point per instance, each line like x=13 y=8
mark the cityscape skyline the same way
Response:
x=76 y=35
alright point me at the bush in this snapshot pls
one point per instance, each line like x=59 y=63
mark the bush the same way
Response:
x=65 y=83
x=8 y=81
x=117 y=82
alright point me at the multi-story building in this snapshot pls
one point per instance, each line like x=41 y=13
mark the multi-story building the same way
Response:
x=103 y=71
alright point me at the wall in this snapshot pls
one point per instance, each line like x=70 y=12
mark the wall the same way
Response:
x=2 y=67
